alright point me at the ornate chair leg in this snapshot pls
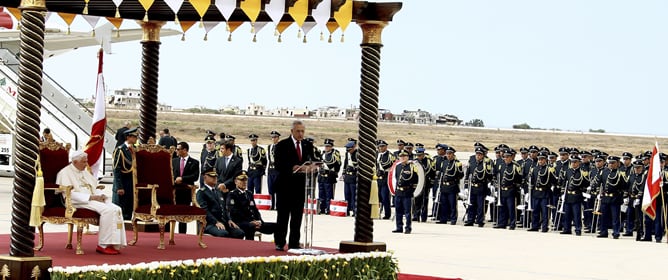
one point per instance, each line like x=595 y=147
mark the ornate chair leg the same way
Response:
x=172 y=228
x=40 y=231
x=161 y=227
x=134 y=232
x=201 y=223
x=70 y=228
x=80 y=229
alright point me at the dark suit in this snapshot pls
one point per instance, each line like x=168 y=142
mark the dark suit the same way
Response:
x=189 y=176
x=290 y=190
x=242 y=210
x=123 y=180
x=227 y=172
x=211 y=201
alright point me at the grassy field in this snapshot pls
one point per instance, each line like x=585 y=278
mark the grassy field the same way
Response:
x=192 y=128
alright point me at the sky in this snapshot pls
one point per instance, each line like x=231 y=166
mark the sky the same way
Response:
x=567 y=64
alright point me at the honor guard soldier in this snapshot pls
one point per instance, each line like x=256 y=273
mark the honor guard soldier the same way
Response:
x=478 y=175
x=208 y=156
x=317 y=154
x=350 y=176
x=552 y=159
x=237 y=150
x=525 y=162
x=439 y=165
x=272 y=174
x=384 y=162
x=452 y=173
x=575 y=181
x=409 y=149
x=533 y=155
x=613 y=182
x=243 y=211
x=637 y=179
x=407 y=178
x=123 y=181
x=594 y=177
x=401 y=144
x=561 y=165
x=499 y=165
x=257 y=162
x=422 y=199
x=327 y=175
x=541 y=178
x=511 y=180
x=627 y=163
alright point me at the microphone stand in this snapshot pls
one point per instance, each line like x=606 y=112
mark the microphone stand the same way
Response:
x=310 y=170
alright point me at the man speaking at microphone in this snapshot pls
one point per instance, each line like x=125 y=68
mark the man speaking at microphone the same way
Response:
x=290 y=154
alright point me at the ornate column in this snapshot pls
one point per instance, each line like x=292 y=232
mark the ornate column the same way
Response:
x=21 y=262
x=372 y=18
x=149 y=79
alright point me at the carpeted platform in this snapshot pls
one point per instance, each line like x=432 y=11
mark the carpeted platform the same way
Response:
x=146 y=249
x=403 y=276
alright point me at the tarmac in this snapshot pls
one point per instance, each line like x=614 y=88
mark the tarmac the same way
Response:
x=471 y=252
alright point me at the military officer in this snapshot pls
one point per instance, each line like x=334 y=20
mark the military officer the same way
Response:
x=123 y=181
x=327 y=175
x=237 y=151
x=401 y=144
x=526 y=163
x=499 y=165
x=257 y=163
x=407 y=178
x=511 y=180
x=384 y=162
x=422 y=199
x=272 y=174
x=439 y=166
x=478 y=175
x=611 y=185
x=541 y=178
x=350 y=176
x=636 y=188
x=409 y=149
x=452 y=173
x=207 y=157
x=627 y=163
x=594 y=176
x=317 y=154
x=561 y=165
x=243 y=211
x=575 y=181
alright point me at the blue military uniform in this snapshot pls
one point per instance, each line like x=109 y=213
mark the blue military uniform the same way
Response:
x=350 y=177
x=272 y=174
x=541 y=179
x=407 y=179
x=636 y=188
x=422 y=199
x=327 y=176
x=384 y=162
x=478 y=176
x=439 y=166
x=207 y=158
x=511 y=181
x=612 y=184
x=243 y=211
x=257 y=163
x=451 y=175
x=123 y=180
x=574 y=182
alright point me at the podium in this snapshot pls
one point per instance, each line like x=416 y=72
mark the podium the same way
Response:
x=310 y=169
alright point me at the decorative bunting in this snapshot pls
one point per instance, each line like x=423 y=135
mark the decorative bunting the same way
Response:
x=322 y=14
x=68 y=18
x=201 y=6
x=17 y=15
x=85 y=10
x=275 y=9
x=299 y=12
x=175 y=6
x=280 y=27
x=118 y=4
x=92 y=21
x=117 y=23
x=252 y=9
x=258 y=27
x=185 y=25
x=146 y=4
x=331 y=27
x=233 y=25
x=208 y=25
x=307 y=27
x=226 y=8
x=344 y=16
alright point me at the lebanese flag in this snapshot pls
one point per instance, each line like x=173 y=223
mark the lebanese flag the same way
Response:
x=653 y=184
x=95 y=145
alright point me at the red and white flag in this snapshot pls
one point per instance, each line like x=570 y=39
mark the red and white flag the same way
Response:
x=653 y=184
x=95 y=145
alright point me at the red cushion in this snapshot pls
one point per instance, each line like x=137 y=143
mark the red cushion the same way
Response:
x=52 y=162
x=60 y=212
x=156 y=168
x=170 y=210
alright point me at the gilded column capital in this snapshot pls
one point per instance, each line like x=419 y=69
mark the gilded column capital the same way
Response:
x=372 y=31
x=38 y=5
x=151 y=30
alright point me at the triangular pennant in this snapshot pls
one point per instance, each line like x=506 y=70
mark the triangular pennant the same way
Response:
x=331 y=27
x=185 y=25
x=116 y=22
x=344 y=16
x=118 y=4
x=275 y=9
x=307 y=27
x=226 y=7
x=68 y=18
x=92 y=21
x=47 y=16
x=146 y=4
x=282 y=26
x=299 y=11
x=233 y=25
x=208 y=26
x=258 y=26
x=201 y=6
x=252 y=9
x=322 y=13
x=175 y=6
x=16 y=13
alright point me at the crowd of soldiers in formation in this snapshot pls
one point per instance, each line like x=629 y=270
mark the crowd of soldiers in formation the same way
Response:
x=570 y=190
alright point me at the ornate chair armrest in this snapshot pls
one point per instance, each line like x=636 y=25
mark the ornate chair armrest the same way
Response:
x=193 y=194
x=154 y=196
x=67 y=193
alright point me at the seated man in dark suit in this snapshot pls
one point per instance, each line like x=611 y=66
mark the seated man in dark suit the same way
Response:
x=209 y=198
x=186 y=171
x=243 y=211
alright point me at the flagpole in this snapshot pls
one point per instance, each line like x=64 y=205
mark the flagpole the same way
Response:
x=663 y=205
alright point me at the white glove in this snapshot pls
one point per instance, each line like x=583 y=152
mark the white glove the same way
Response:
x=527 y=198
x=589 y=189
x=626 y=201
x=636 y=202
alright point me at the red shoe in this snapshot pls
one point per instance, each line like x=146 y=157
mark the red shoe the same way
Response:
x=107 y=251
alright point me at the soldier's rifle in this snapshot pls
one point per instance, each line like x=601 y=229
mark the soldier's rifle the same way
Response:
x=437 y=196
